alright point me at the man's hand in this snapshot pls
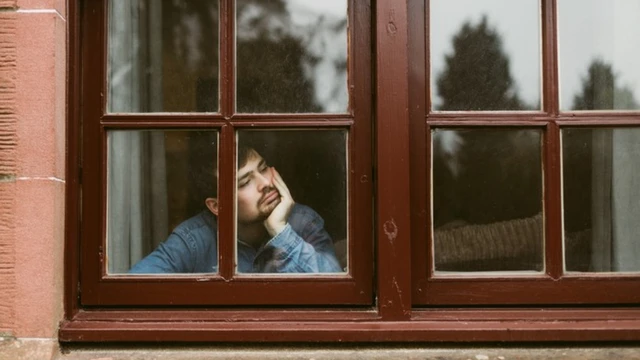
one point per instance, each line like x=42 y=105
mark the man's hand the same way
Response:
x=276 y=222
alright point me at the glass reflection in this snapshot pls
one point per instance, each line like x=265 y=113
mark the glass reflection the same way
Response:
x=487 y=200
x=162 y=56
x=485 y=55
x=158 y=181
x=601 y=175
x=599 y=54
x=292 y=201
x=291 y=56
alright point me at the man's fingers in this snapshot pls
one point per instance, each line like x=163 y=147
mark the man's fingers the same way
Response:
x=277 y=180
x=279 y=183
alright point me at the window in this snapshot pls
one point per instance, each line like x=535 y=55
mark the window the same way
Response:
x=476 y=180
x=523 y=201
x=194 y=91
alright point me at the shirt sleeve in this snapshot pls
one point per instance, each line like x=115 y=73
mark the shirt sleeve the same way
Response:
x=304 y=246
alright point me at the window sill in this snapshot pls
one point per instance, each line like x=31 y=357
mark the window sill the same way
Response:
x=518 y=325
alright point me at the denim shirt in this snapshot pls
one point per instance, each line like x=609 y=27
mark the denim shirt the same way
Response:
x=302 y=247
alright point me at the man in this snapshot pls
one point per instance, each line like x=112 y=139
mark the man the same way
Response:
x=275 y=235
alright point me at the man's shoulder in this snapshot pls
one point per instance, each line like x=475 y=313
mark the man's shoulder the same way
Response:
x=203 y=221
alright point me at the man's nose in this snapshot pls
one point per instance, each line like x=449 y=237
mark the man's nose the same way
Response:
x=263 y=181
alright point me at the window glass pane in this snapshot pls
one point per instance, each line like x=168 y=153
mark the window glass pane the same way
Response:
x=599 y=54
x=158 y=181
x=292 y=201
x=162 y=56
x=291 y=56
x=485 y=54
x=601 y=175
x=487 y=200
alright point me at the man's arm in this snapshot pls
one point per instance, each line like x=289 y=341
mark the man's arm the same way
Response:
x=172 y=256
x=303 y=246
x=191 y=247
x=299 y=242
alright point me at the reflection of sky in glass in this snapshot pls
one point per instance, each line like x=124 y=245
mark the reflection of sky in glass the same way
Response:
x=332 y=8
x=608 y=30
x=331 y=47
x=516 y=21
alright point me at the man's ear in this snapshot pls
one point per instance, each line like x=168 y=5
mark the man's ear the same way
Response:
x=212 y=205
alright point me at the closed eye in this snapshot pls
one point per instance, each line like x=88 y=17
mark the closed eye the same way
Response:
x=244 y=180
x=243 y=183
x=263 y=167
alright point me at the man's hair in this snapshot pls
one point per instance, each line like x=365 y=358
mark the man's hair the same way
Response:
x=204 y=172
x=202 y=163
x=245 y=153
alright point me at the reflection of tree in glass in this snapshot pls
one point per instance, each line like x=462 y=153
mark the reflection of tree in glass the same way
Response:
x=490 y=175
x=277 y=60
x=601 y=91
x=477 y=75
x=269 y=58
x=271 y=76
x=190 y=55
x=282 y=65
x=586 y=155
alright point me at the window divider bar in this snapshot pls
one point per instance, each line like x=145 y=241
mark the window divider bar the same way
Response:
x=551 y=102
x=515 y=121
x=425 y=26
x=101 y=73
x=554 y=259
x=393 y=177
x=226 y=221
x=226 y=46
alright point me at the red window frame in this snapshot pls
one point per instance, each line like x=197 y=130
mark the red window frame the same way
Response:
x=401 y=310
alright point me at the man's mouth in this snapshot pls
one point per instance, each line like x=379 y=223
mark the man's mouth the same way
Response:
x=270 y=197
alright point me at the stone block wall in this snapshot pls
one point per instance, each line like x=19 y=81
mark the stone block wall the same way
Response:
x=32 y=166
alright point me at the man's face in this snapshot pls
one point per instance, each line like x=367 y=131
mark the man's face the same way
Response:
x=257 y=196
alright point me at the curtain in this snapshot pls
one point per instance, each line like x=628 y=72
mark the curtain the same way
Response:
x=616 y=200
x=136 y=170
x=626 y=200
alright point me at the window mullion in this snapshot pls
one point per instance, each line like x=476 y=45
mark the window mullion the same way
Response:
x=226 y=155
x=393 y=205
x=552 y=178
